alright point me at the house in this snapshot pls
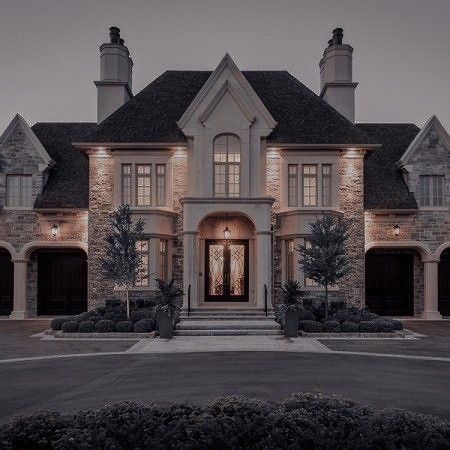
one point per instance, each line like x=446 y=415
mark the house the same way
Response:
x=227 y=169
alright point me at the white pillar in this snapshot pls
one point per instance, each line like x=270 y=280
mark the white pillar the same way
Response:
x=263 y=268
x=20 y=290
x=430 y=307
x=190 y=268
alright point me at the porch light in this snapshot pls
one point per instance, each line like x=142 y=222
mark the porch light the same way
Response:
x=396 y=229
x=54 y=230
x=227 y=233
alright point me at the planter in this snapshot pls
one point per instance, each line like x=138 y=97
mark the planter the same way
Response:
x=165 y=326
x=291 y=323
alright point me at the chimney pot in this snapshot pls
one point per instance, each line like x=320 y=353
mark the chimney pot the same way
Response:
x=114 y=35
x=121 y=41
x=330 y=42
x=338 y=34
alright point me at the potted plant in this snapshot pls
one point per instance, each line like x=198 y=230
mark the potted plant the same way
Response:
x=290 y=297
x=168 y=305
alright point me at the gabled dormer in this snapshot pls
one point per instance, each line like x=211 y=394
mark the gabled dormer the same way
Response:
x=26 y=164
x=426 y=166
x=226 y=125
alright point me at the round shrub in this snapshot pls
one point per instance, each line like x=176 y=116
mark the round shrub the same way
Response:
x=367 y=316
x=105 y=326
x=83 y=317
x=347 y=315
x=86 y=327
x=304 y=314
x=70 y=327
x=349 y=327
x=142 y=313
x=397 y=325
x=115 y=317
x=125 y=326
x=331 y=326
x=57 y=323
x=311 y=326
x=144 y=326
x=301 y=325
x=96 y=318
x=368 y=326
x=113 y=303
x=384 y=326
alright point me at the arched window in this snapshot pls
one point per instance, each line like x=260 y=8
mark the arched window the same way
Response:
x=227 y=159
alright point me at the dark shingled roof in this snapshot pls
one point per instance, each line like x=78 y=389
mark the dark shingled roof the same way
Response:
x=68 y=181
x=302 y=116
x=384 y=186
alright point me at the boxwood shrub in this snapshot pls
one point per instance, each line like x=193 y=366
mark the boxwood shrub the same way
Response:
x=57 y=323
x=331 y=326
x=397 y=325
x=307 y=421
x=87 y=326
x=105 y=326
x=144 y=326
x=369 y=326
x=349 y=327
x=70 y=327
x=124 y=326
x=311 y=326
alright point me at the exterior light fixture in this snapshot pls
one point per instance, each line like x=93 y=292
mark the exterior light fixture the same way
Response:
x=54 y=230
x=227 y=233
x=396 y=229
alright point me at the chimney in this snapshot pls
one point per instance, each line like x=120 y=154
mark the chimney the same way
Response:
x=336 y=83
x=116 y=70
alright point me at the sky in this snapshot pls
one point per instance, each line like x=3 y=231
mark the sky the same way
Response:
x=49 y=54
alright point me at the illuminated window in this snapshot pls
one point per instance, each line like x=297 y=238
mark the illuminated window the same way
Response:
x=19 y=190
x=160 y=184
x=308 y=281
x=143 y=185
x=431 y=190
x=326 y=185
x=163 y=259
x=290 y=260
x=309 y=184
x=126 y=184
x=142 y=247
x=227 y=158
x=292 y=185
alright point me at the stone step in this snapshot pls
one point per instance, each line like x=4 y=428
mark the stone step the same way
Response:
x=227 y=325
x=225 y=312
x=227 y=317
x=238 y=332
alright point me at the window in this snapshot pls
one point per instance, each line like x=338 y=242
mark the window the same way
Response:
x=431 y=190
x=142 y=247
x=292 y=185
x=143 y=185
x=126 y=184
x=290 y=257
x=19 y=190
x=308 y=281
x=160 y=184
x=309 y=185
x=326 y=185
x=227 y=158
x=163 y=259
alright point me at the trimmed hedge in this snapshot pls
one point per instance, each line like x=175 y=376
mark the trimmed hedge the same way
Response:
x=310 y=326
x=70 y=327
x=143 y=326
x=57 y=323
x=306 y=421
x=349 y=327
x=105 y=326
x=331 y=326
x=124 y=327
x=87 y=327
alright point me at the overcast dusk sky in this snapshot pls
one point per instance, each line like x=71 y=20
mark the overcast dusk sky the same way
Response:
x=50 y=58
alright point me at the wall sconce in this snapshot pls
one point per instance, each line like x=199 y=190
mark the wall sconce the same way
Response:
x=54 y=230
x=396 y=229
x=227 y=233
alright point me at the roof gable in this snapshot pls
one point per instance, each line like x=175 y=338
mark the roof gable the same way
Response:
x=432 y=123
x=19 y=121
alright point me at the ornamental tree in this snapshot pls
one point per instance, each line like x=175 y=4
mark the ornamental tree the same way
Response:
x=122 y=263
x=326 y=261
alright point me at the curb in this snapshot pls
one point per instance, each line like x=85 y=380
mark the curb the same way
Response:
x=395 y=335
x=115 y=335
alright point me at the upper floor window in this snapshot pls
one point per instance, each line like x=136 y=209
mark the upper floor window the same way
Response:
x=309 y=176
x=326 y=184
x=126 y=184
x=227 y=158
x=143 y=185
x=431 y=190
x=19 y=190
x=292 y=185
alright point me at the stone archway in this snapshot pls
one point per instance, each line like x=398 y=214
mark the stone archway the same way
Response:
x=6 y=282
x=444 y=282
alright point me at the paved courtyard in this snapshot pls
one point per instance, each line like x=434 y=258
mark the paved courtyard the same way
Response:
x=69 y=375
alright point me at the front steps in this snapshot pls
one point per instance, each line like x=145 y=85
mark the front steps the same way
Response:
x=227 y=322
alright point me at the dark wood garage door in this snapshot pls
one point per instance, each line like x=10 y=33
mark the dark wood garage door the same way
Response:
x=62 y=282
x=444 y=284
x=6 y=283
x=389 y=283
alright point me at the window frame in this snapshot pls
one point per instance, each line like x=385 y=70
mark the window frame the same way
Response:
x=25 y=201
x=313 y=177
x=329 y=188
x=292 y=203
x=164 y=259
x=126 y=176
x=227 y=164
x=143 y=176
x=143 y=280
x=160 y=199
x=432 y=191
x=290 y=259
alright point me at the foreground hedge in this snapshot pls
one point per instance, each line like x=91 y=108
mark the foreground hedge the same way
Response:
x=302 y=421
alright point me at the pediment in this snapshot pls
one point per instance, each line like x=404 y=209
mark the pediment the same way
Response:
x=19 y=122
x=432 y=130
x=226 y=81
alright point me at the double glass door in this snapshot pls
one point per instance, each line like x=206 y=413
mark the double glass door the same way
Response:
x=226 y=270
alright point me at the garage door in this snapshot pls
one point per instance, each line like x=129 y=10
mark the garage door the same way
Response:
x=6 y=283
x=444 y=284
x=389 y=283
x=62 y=282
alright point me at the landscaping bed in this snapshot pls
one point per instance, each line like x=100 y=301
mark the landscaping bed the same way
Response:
x=309 y=421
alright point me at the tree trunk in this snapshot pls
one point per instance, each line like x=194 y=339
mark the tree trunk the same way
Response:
x=326 y=302
x=128 y=302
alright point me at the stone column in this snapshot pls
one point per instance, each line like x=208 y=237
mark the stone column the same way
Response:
x=191 y=268
x=263 y=268
x=351 y=203
x=430 y=307
x=20 y=290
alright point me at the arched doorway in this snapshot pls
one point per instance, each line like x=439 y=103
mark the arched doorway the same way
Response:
x=444 y=283
x=226 y=253
x=6 y=283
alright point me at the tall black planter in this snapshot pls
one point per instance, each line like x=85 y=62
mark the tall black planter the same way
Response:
x=165 y=326
x=291 y=323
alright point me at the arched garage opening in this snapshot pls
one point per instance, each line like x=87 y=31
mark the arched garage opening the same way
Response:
x=6 y=283
x=444 y=283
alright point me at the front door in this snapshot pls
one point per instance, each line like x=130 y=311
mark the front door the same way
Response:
x=444 y=284
x=226 y=271
x=6 y=283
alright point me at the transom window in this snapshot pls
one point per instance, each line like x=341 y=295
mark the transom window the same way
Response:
x=309 y=175
x=227 y=159
x=19 y=190
x=431 y=190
